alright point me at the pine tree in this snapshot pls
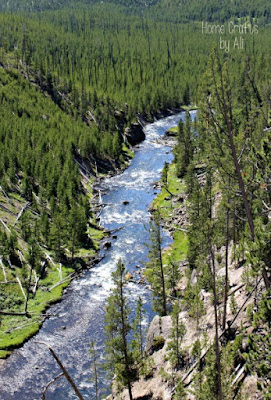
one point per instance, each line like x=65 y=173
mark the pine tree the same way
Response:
x=178 y=330
x=138 y=331
x=58 y=237
x=117 y=329
x=232 y=135
x=185 y=146
x=155 y=270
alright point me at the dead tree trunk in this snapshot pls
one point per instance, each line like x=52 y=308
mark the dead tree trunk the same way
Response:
x=217 y=347
x=65 y=372
x=226 y=272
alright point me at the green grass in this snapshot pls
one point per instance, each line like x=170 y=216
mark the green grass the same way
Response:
x=126 y=156
x=190 y=108
x=15 y=330
x=127 y=151
x=179 y=248
x=96 y=236
x=174 y=129
x=4 y=354
x=175 y=186
x=164 y=201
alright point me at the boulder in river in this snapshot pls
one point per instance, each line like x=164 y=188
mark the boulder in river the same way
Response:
x=172 y=132
x=129 y=277
x=107 y=245
x=125 y=202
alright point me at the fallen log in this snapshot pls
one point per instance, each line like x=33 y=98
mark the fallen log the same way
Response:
x=4 y=271
x=6 y=196
x=6 y=209
x=235 y=290
x=62 y=281
x=115 y=230
x=65 y=372
x=21 y=212
x=181 y=229
x=36 y=283
x=21 y=287
x=50 y=383
x=25 y=314
x=239 y=371
x=5 y=226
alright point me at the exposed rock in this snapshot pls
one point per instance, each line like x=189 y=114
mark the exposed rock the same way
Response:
x=193 y=279
x=205 y=296
x=171 y=133
x=160 y=326
x=107 y=245
x=181 y=286
x=221 y=272
x=125 y=202
x=129 y=277
x=134 y=134
x=179 y=199
x=166 y=141
x=250 y=390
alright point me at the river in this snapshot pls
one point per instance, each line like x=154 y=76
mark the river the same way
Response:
x=79 y=317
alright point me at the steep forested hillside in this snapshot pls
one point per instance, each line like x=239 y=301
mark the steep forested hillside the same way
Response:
x=44 y=208
x=181 y=10
x=215 y=10
x=75 y=79
x=211 y=288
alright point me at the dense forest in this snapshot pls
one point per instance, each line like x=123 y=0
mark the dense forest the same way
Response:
x=76 y=78
x=220 y=179
x=182 y=10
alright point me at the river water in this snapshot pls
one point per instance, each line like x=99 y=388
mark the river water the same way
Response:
x=79 y=317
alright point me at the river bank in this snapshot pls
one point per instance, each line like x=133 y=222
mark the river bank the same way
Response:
x=162 y=380
x=79 y=317
x=14 y=334
x=47 y=290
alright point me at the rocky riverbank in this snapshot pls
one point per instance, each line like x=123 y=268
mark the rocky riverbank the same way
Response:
x=160 y=382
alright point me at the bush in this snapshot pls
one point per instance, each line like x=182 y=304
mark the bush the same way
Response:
x=158 y=343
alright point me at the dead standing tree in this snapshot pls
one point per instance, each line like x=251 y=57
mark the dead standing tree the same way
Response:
x=219 y=114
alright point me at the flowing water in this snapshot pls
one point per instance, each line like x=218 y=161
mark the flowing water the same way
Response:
x=79 y=317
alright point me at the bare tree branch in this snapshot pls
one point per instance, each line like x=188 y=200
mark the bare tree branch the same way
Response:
x=65 y=372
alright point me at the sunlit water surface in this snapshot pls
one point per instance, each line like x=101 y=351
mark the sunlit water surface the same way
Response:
x=79 y=318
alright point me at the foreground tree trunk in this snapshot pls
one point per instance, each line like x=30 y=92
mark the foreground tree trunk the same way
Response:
x=223 y=96
x=217 y=347
x=226 y=272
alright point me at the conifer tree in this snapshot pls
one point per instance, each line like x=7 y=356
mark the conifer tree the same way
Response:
x=178 y=330
x=117 y=327
x=185 y=147
x=155 y=270
x=138 y=330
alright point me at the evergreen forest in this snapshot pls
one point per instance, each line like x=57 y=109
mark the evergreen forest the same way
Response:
x=79 y=80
